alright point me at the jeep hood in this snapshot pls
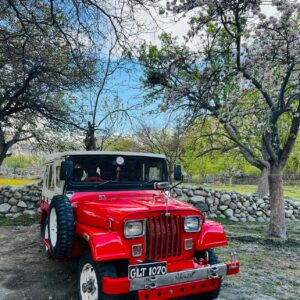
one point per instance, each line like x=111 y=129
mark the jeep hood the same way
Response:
x=96 y=208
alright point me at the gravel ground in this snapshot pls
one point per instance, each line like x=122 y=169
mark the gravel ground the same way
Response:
x=269 y=268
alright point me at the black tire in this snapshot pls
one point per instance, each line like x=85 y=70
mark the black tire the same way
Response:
x=213 y=259
x=100 y=270
x=61 y=207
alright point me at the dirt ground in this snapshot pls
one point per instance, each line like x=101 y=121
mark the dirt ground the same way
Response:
x=269 y=269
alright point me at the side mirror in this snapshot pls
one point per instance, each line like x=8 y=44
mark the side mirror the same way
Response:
x=177 y=172
x=66 y=170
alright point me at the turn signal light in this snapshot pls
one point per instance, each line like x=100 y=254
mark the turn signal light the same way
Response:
x=188 y=244
x=137 y=250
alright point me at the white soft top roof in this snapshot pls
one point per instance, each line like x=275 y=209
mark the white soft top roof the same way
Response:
x=60 y=155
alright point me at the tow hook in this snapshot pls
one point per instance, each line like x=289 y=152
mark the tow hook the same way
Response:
x=213 y=272
x=233 y=260
x=151 y=286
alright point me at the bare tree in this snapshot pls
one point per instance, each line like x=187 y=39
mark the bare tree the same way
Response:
x=167 y=141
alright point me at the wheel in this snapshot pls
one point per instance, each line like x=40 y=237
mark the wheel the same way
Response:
x=213 y=259
x=60 y=227
x=45 y=235
x=89 y=278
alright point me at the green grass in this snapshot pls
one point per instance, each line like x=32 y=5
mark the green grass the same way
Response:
x=290 y=191
x=22 y=220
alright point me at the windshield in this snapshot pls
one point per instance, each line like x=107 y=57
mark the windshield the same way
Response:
x=115 y=172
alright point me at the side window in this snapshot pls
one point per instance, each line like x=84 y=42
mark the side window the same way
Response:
x=51 y=178
x=46 y=175
x=57 y=181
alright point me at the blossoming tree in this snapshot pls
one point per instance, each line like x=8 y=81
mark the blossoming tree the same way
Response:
x=244 y=73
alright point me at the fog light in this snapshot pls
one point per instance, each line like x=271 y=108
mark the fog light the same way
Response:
x=188 y=244
x=137 y=250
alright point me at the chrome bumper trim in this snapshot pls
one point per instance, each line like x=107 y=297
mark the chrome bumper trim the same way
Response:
x=213 y=271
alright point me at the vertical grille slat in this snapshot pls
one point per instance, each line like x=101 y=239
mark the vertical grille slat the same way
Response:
x=163 y=236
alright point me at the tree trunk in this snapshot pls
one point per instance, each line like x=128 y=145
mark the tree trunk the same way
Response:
x=90 y=140
x=263 y=185
x=277 y=226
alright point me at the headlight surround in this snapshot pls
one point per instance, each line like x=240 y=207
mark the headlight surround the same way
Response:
x=134 y=229
x=192 y=224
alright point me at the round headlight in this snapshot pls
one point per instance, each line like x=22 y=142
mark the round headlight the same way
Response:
x=134 y=229
x=192 y=224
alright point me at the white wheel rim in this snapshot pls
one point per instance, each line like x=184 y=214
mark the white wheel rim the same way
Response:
x=53 y=227
x=46 y=236
x=88 y=283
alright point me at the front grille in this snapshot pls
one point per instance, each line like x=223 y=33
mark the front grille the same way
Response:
x=163 y=236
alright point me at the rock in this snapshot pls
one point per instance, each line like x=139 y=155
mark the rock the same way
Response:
x=213 y=208
x=222 y=216
x=30 y=213
x=225 y=199
x=4 y=208
x=17 y=195
x=213 y=216
x=190 y=193
x=7 y=194
x=223 y=207
x=259 y=213
x=217 y=195
x=242 y=215
x=26 y=198
x=249 y=209
x=209 y=200
x=246 y=203
x=200 y=193
x=217 y=201
x=260 y=219
x=30 y=205
x=259 y=201
x=268 y=213
x=9 y=215
x=239 y=205
x=197 y=199
x=15 y=209
x=178 y=192
x=35 y=199
x=183 y=197
x=229 y=212
x=12 y=201
x=254 y=206
x=233 y=196
x=289 y=213
x=202 y=206
x=232 y=205
x=250 y=219
x=22 y=204
x=234 y=219
x=16 y=215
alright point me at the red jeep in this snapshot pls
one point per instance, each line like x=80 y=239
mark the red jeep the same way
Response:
x=113 y=210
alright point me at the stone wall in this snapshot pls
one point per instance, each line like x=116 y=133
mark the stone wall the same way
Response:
x=15 y=201
x=234 y=206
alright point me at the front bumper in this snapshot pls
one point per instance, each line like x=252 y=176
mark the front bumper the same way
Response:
x=174 y=284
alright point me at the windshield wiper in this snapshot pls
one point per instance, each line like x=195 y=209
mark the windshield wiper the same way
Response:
x=104 y=182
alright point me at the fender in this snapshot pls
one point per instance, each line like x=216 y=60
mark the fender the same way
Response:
x=212 y=235
x=104 y=245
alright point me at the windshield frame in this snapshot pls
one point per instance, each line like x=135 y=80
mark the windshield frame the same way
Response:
x=110 y=185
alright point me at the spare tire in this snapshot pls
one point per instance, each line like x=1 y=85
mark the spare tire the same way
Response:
x=60 y=227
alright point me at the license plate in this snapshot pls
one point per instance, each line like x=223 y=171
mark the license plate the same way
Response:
x=147 y=270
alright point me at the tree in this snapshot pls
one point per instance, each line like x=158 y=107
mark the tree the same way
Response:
x=245 y=75
x=167 y=141
x=47 y=49
x=37 y=72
